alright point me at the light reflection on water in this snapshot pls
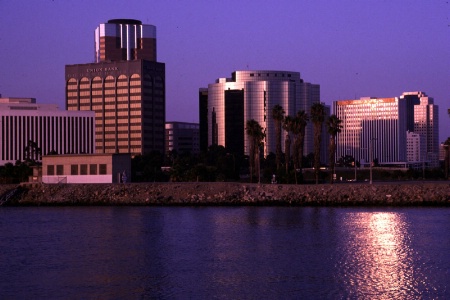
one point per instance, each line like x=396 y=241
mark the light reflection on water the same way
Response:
x=378 y=259
x=224 y=253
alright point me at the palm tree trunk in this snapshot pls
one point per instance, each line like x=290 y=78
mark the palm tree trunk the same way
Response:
x=447 y=160
x=287 y=157
x=331 y=153
x=317 y=140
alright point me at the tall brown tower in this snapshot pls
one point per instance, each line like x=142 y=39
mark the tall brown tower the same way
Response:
x=125 y=88
x=125 y=39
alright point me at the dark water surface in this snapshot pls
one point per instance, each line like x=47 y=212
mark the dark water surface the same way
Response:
x=224 y=253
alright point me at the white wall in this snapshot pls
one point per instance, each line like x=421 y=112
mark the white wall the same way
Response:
x=77 y=179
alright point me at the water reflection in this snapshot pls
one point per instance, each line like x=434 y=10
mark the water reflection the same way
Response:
x=224 y=253
x=378 y=259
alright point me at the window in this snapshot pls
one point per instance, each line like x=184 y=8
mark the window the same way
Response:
x=83 y=169
x=73 y=169
x=102 y=169
x=50 y=170
x=93 y=169
x=59 y=170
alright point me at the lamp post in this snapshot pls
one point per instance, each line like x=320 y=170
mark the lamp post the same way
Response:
x=354 y=161
x=371 y=156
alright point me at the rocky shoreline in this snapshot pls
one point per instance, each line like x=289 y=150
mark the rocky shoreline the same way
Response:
x=228 y=193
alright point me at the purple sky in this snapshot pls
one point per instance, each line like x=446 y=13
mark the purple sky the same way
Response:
x=351 y=48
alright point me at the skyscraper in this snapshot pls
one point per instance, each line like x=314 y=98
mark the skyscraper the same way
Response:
x=381 y=125
x=372 y=122
x=125 y=39
x=227 y=104
x=426 y=124
x=125 y=87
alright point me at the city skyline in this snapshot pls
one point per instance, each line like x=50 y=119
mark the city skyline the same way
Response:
x=351 y=49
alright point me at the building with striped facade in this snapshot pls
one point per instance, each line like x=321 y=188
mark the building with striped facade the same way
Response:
x=53 y=130
x=125 y=87
x=226 y=105
x=377 y=123
x=381 y=125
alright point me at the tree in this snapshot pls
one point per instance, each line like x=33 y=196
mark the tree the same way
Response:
x=301 y=120
x=287 y=126
x=334 y=127
x=278 y=117
x=317 y=117
x=447 y=156
x=256 y=135
x=32 y=153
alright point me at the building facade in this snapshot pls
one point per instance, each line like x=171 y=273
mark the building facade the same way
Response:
x=426 y=124
x=394 y=130
x=376 y=125
x=125 y=39
x=125 y=88
x=183 y=137
x=227 y=104
x=415 y=147
x=54 y=131
x=93 y=168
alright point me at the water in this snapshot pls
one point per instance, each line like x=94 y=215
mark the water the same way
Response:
x=224 y=253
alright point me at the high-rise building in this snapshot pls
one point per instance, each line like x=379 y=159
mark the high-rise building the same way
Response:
x=415 y=147
x=125 y=39
x=183 y=137
x=52 y=130
x=227 y=104
x=380 y=126
x=125 y=87
x=426 y=124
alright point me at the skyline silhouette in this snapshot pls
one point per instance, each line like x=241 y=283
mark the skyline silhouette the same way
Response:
x=351 y=49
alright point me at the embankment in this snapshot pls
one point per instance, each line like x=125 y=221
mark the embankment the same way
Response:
x=195 y=193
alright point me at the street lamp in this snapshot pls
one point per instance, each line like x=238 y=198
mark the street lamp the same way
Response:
x=371 y=156
x=354 y=161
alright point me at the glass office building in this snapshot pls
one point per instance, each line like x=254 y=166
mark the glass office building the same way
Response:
x=227 y=104
x=381 y=124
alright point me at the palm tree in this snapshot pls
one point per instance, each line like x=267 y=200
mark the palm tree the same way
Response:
x=278 y=117
x=317 y=117
x=334 y=127
x=287 y=123
x=256 y=136
x=301 y=120
x=447 y=156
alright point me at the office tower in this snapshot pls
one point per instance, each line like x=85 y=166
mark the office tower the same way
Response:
x=415 y=147
x=372 y=124
x=426 y=124
x=53 y=130
x=125 y=87
x=227 y=104
x=125 y=39
x=203 y=116
x=183 y=137
x=382 y=124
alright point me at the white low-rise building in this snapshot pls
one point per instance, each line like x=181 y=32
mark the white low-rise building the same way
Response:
x=86 y=168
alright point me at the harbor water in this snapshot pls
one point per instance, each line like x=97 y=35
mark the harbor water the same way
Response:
x=224 y=252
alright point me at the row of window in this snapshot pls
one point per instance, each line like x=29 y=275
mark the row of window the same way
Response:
x=82 y=169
